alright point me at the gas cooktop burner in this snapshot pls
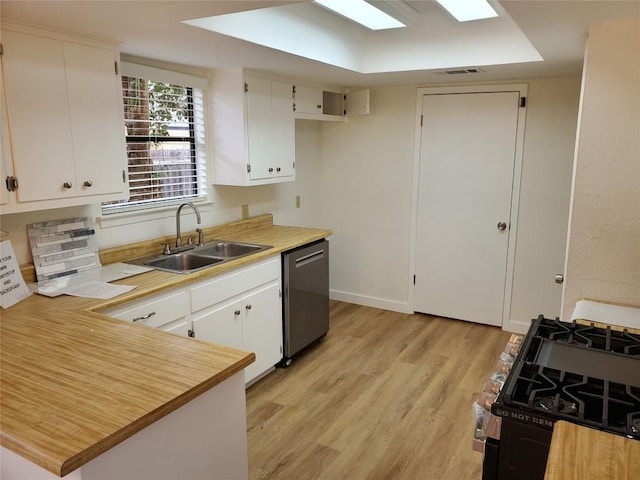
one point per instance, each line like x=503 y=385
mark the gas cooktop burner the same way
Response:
x=590 y=336
x=568 y=396
x=580 y=373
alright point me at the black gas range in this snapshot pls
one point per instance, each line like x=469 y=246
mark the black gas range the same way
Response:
x=565 y=371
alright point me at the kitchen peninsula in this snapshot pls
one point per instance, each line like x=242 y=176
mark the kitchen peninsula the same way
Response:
x=89 y=396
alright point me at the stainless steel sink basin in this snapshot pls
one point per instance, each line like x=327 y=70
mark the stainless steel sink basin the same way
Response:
x=228 y=249
x=199 y=258
x=182 y=262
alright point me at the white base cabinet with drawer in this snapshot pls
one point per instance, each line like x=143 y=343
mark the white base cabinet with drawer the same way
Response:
x=242 y=309
x=166 y=311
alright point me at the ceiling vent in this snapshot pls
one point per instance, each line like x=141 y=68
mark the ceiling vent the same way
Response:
x=460 y=71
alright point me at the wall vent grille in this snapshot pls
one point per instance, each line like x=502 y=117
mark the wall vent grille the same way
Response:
x=460 y=71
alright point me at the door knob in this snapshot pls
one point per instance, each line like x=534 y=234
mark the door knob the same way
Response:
x=502 y=226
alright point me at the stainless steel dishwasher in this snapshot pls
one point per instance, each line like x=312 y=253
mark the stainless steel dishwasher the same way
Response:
x=305 y=307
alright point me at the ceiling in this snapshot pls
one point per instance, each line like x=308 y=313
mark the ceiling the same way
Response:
x=556 y=29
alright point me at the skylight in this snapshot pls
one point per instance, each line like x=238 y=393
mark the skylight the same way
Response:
x=363 y=13
x=467 y=10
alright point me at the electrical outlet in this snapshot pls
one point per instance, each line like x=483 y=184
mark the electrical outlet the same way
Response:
x=245 y=211
x=297 y=201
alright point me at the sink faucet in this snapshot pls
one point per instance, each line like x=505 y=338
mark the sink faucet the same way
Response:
x=199 y=230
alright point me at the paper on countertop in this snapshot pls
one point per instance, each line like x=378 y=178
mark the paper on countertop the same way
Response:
x=619 y=315
x=118 y=271
x=71 y=284
x=96 y=289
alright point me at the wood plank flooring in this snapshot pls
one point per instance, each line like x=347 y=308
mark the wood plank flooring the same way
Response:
x=383 y=396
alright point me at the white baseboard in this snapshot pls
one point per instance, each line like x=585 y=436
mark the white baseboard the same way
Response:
x=516 y=327
x=375 y=302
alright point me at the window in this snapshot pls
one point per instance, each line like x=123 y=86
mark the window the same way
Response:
x=164 y=128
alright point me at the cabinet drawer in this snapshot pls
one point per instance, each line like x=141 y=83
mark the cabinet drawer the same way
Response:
x=156 y=311
x=232 y=284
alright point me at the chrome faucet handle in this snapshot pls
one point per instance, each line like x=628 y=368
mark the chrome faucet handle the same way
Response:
x=167 y=249
x=200 y=237
x=190 y=240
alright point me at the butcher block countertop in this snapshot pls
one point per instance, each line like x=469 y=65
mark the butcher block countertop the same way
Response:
x=581 y=453
x=75 y=383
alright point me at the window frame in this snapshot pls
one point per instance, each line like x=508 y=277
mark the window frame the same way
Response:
x=197 y=139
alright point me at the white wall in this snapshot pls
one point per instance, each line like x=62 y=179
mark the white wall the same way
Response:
x=552 y=111
x=603 y=253
x=367 y=180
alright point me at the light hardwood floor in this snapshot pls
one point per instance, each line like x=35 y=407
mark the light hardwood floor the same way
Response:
x=383 y=396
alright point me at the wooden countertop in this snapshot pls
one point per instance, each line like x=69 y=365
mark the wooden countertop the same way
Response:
x=581 y=453
x=75 y=383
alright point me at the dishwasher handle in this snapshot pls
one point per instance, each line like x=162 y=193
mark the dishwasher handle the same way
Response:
x=310 y=258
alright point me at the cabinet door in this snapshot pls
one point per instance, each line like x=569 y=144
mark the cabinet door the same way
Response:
x=221 y=324
x=270 y=129
x=262 y=329
x=6 y=168
x=308 y=100
x=180 y=327
x=259 y=125
x=284 y=133
x=97 y=119
x=38 y=108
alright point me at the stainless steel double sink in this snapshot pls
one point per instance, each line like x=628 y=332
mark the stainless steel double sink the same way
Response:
x=198 y=258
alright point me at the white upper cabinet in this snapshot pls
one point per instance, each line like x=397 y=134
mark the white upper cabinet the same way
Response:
x=6 y=168
x=308 y=100
x=312 y=103
x=97 y=118
x=253 y=129
x=66 y=122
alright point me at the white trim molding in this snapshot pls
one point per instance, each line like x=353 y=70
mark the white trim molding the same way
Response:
x=522 y=88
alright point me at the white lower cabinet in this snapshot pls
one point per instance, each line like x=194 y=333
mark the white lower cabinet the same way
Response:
x=166 y=311
x=242 y=309
x=220 y=324
x=262 y=329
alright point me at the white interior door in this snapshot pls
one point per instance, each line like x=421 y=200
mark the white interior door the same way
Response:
x=467 y=158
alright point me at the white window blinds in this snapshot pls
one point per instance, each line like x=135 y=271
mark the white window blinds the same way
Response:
x=165 y=133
